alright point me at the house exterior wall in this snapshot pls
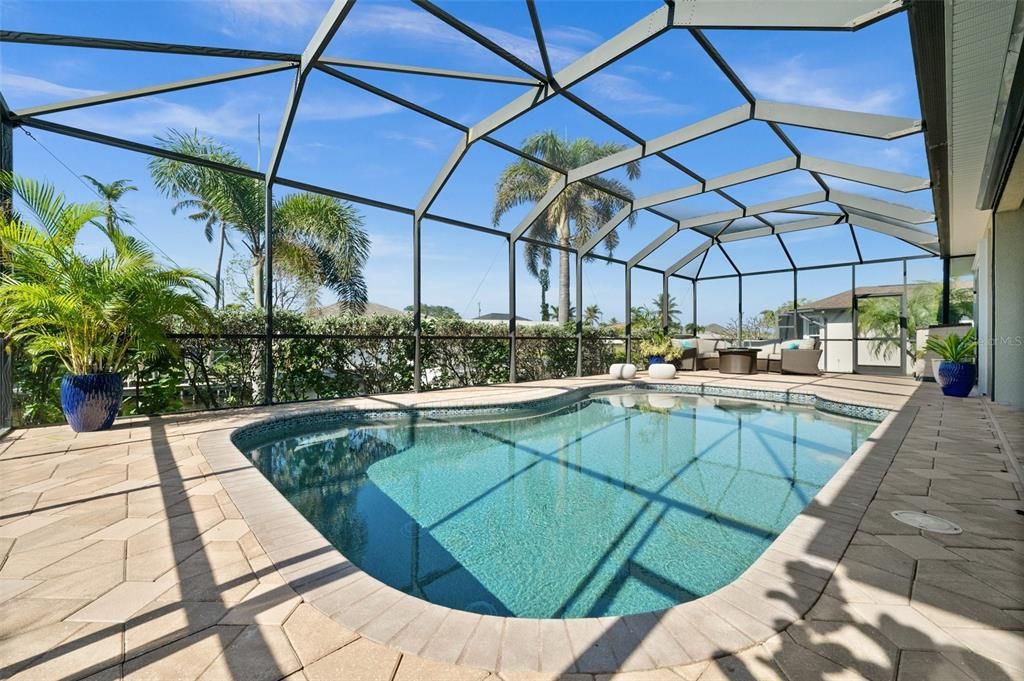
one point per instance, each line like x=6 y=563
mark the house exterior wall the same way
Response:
x=1007 y=347
x=982 y=311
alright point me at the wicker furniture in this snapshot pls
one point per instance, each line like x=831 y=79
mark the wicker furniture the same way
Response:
x=737 y=361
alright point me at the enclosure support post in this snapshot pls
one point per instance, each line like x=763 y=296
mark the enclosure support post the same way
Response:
x=629 y=315
x=511 y=310
x=664 y=304
x=903 y=320
x=739 y=311
x=856 y=331
x=796 y=316
x=579 y=315
x=945 y=289
x=693 y=282
x=417 y=361
x=6 y=166
x=268 y=293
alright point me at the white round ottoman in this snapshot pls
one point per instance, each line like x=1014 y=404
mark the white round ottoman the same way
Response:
x=625 y=371
x=662 y=370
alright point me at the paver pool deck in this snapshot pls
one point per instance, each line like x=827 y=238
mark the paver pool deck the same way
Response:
x=154 y=551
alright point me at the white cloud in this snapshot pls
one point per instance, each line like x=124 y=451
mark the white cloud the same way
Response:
x=249 y=15
x=417 y=141
x=793 y=80
x=631 y=95
x=235 y=119
x=572 y=35
x=409 y=24
x=344 y=107
x=17 y=85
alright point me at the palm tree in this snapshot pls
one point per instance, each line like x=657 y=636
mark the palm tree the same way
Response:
x=591 y=315
x=111 y=193
x=544 y=278
x=643 y=318
x=880 y=317
x=578 y=212
x=91 y=314
x=207 y=214
x=317 y=239
x=673 y=307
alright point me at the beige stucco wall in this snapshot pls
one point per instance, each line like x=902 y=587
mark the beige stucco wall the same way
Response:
x=1008 y=318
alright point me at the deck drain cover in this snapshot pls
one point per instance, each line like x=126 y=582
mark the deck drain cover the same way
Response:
x=929 y=523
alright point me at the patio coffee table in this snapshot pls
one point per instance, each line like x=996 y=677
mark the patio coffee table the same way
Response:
x=737 y=361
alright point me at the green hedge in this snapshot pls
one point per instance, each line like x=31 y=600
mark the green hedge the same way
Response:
x=224 y=365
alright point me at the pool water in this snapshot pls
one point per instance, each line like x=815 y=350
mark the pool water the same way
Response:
x=619 y=503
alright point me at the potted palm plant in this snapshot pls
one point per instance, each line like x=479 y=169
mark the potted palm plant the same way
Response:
x=93 y=314
x=956 y=368
x=655 y=348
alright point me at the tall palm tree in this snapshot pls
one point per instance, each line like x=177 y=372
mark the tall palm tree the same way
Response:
x=591 y=315
x=578 y=212
x=673 y=307
x=111 y=193
x=544 y=278
x=207 y=214
x=318 y=239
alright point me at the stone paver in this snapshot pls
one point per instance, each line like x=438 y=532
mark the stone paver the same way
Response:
x=138 y=553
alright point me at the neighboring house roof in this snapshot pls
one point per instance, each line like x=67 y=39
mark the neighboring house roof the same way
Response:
x=844 y=300
x=498 y=317
x=371 y=310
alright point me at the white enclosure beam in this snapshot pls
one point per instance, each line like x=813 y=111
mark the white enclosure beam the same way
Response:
x=809 y=223
x=427 y=71
x=790 y=202
x=917 y=237
x=651 y=26
x=653 y=246
x=688 y=258
x=109 y=97
x=329 y=25
x=605 y=230
x=836 y=120
x=688 y=133
x=867 y=204
x=873 y=176
x=821 y=15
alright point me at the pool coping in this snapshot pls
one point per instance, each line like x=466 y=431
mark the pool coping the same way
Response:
x=745 y=612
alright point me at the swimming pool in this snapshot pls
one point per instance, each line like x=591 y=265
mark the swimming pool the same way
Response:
x=619 y=503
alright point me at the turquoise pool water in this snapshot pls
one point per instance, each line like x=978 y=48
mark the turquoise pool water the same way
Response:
x=619 y=503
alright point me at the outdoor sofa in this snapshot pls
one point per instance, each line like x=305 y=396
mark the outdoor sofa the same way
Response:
x=787 y=357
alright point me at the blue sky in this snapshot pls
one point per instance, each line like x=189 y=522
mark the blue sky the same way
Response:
x=350 y=140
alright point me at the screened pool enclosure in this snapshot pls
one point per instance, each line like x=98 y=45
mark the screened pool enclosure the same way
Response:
x=785 y=213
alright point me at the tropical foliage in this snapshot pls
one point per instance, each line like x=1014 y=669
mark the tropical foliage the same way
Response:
x=954 y=348
x=317 y=238
x=222 y=361
x=879 y=318
x=111 y=193
x=578 y=212
x=91 y=314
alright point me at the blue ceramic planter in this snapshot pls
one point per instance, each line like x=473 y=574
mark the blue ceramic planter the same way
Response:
x=90 y=401
x=956 y=378
x=655 y=360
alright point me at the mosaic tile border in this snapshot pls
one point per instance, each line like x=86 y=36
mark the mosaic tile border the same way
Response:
x=249 y=436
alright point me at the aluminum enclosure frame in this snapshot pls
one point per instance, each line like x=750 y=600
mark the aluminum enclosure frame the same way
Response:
x=893 y=220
